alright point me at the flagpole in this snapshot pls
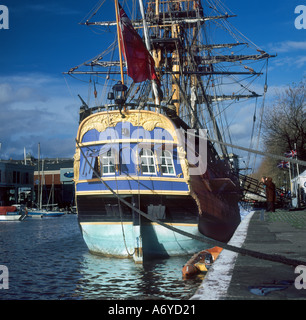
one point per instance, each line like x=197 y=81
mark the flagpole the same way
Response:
x=297 y=165
x=290 y=182
x=119 y=42
x=297 y=189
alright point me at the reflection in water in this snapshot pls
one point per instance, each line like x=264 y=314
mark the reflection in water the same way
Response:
x=47 y=259
x=108 y=278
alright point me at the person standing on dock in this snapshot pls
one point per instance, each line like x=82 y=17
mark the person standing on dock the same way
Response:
x=270 y=193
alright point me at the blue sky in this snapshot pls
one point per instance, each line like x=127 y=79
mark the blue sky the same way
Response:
x=45 y=39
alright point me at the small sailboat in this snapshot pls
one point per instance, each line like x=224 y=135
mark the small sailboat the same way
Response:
x=41 y=210
x=52 y=213
x=152 y=158
x=40 y=213
x=34 y=213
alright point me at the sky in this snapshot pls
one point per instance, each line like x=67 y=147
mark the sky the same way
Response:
x=40 y=105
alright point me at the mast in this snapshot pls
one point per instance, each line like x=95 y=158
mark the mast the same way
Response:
x=148 y=45
x=39 y=182
x=119 y=42
x=176 y=70
x=193 y=69
x=193 y=93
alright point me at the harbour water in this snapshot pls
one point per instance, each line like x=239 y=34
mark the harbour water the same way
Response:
x=47 y=259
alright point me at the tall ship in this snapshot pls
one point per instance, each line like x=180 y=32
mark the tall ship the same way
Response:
x=152 y=165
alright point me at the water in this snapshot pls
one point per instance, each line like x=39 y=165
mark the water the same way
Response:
x=47 y=259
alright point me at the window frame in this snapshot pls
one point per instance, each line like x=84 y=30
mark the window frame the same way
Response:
x=147 y=164
x=108 y=165
x=166 y=165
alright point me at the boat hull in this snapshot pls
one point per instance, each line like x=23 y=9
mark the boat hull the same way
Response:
x=217 y=229
x=10 y=217
x=109 y=239
x=121 y=240
x=115 y=231
x=53 y=214
x=11 y=213
x=35 y=214
x=160 y=241
x=44 y=213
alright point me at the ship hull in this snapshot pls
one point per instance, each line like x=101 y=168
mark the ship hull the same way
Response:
x=217 y=229
x=159 y=241
x=120 y=240
x=163 y=189
x=113 y=229
x=109 y=239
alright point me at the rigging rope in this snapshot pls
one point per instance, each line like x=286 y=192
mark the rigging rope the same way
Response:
x=267 y=154
x=243 y=251
x=252 y=136
x=262 y=111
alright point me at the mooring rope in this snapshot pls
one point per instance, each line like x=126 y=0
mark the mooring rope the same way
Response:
x=243 y=251
x=267 y=154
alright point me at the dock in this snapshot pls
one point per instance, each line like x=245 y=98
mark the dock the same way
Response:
x=234 y=276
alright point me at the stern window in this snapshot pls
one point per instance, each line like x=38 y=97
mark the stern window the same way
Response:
x=108 y=163
x=167 y=166
x=147 y=161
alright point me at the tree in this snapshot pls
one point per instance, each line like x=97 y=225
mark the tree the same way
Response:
x=284 y=125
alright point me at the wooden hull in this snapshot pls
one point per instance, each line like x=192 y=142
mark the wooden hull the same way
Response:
x=116 y=231
x=219 y=214
x=122 y=240
x=163 y=188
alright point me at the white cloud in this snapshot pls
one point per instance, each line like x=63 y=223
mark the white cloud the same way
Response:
x=287 y=46
x=293 y=62
x=36 y=108
x=289 y=54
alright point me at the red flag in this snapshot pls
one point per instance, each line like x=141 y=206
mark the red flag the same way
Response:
x=291 y=154
x=140 y=64
x=283 y=164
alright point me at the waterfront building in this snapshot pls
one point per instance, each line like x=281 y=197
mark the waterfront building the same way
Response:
x=53 y=182
x=16 y=182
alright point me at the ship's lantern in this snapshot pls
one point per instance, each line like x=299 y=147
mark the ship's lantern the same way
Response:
x=119 y=90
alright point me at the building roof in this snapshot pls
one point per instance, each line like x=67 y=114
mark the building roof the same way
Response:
x=54 y=164
x=49 y=164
